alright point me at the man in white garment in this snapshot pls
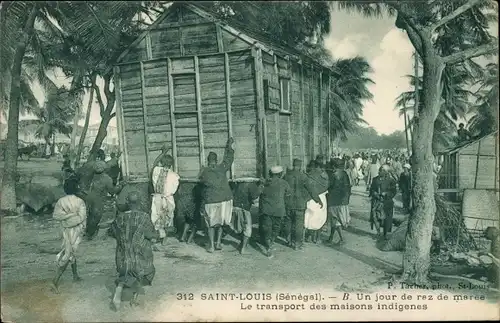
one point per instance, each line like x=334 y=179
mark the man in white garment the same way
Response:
x=165 y=183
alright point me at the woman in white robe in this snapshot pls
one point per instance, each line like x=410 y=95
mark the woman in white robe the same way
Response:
x=165 y=183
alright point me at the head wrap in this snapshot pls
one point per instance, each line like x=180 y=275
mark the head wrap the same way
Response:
x=99 y=166
x=276 y=170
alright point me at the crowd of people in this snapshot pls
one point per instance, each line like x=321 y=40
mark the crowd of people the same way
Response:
x=294 y=204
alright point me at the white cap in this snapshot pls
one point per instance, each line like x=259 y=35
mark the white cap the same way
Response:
x=407 y=166
x=276 y=169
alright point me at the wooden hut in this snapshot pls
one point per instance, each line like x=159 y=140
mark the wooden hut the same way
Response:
x=472 y=165
x=192 y=80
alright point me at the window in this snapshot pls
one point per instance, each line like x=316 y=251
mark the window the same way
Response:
x=284 y=94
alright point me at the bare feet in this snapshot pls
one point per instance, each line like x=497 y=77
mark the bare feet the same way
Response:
x=77 y=279
x=54 y=288
x=218 y=247
x=210 y=249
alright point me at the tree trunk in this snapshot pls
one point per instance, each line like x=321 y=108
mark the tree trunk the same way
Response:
x=85 y=126
x=406 y=131
x=106 y=116
x=75 y=83
x=101 y=135
x=8 y=196
x=416 y=258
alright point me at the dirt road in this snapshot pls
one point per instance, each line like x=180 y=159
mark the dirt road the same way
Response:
x=28 y=260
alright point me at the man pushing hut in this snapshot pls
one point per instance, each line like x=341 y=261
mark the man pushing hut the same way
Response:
x=217 y=197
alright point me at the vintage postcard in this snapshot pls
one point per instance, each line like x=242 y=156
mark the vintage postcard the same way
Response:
x=249 y=161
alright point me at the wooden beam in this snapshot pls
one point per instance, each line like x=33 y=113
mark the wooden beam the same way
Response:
x=198 y=110
x=172 y=25
x=120 y=122
x=329 y=127
x=220 y=38
x=181 y=42
x=276 y=114
x=145 y=118
x=312 y=133
x=302 y=114
x=321 y=112
x=149 y=50
x=172 y=115
x=228 y=103
x=290 y=134
x=157 y=59
x=261 y=113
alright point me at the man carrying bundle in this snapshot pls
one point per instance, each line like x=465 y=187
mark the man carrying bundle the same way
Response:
x=217 y=197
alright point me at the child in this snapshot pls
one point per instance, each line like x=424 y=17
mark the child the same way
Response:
x=70 y=210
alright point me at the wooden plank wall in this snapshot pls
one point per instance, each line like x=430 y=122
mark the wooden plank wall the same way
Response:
x=213 y=96
x=131 y=105
x=244 y=112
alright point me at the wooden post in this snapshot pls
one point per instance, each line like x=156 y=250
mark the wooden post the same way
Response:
x=228 y=102
x=172 y=115
x=261 y=114
x=145 y=118
x=302 y=114
x=328 y=106
x=311 y=109
x=120 y=123
x=149 y=50
x=220 y=39
x=320 y=112
x=198 y=110
x=290 y=135
x=477 y=163
x=277 y=114
x=181 y=42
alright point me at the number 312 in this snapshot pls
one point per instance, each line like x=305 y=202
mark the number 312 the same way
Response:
x=185 y=297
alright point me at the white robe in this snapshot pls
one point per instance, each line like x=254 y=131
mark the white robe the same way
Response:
x=315 y=216
x=163 y=203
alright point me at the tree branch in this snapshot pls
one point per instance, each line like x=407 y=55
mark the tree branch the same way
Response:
x=457 y=12
x=470 y=53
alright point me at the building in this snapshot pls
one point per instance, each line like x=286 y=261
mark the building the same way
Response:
x=192 y=80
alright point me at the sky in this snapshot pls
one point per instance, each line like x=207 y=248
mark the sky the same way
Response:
x=389 y=53
x=385 y=47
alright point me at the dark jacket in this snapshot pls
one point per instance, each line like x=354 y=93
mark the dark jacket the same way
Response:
x=214 y=180
x=272 y=199
x=319 y=180
x=302 y=190
x=385 y=185
x=339 y=189
x=405 y=182
x=245 y=194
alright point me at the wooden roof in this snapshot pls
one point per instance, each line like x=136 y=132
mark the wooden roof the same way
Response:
x=463 y=145
x=251 y=36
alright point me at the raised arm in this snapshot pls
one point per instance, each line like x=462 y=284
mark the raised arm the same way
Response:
x=228 y=158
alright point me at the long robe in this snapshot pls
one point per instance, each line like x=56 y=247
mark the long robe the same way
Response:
x=71 y=212
x=133 y=232
x=165 y=184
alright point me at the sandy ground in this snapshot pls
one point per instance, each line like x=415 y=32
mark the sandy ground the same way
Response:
x=28 y=254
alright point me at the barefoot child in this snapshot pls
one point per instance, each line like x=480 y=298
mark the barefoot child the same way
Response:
x=71 y=212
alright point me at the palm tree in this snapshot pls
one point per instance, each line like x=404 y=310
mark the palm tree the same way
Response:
x=348 y=93
x=443 y=33
x=485 y=119
x=93 y=27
